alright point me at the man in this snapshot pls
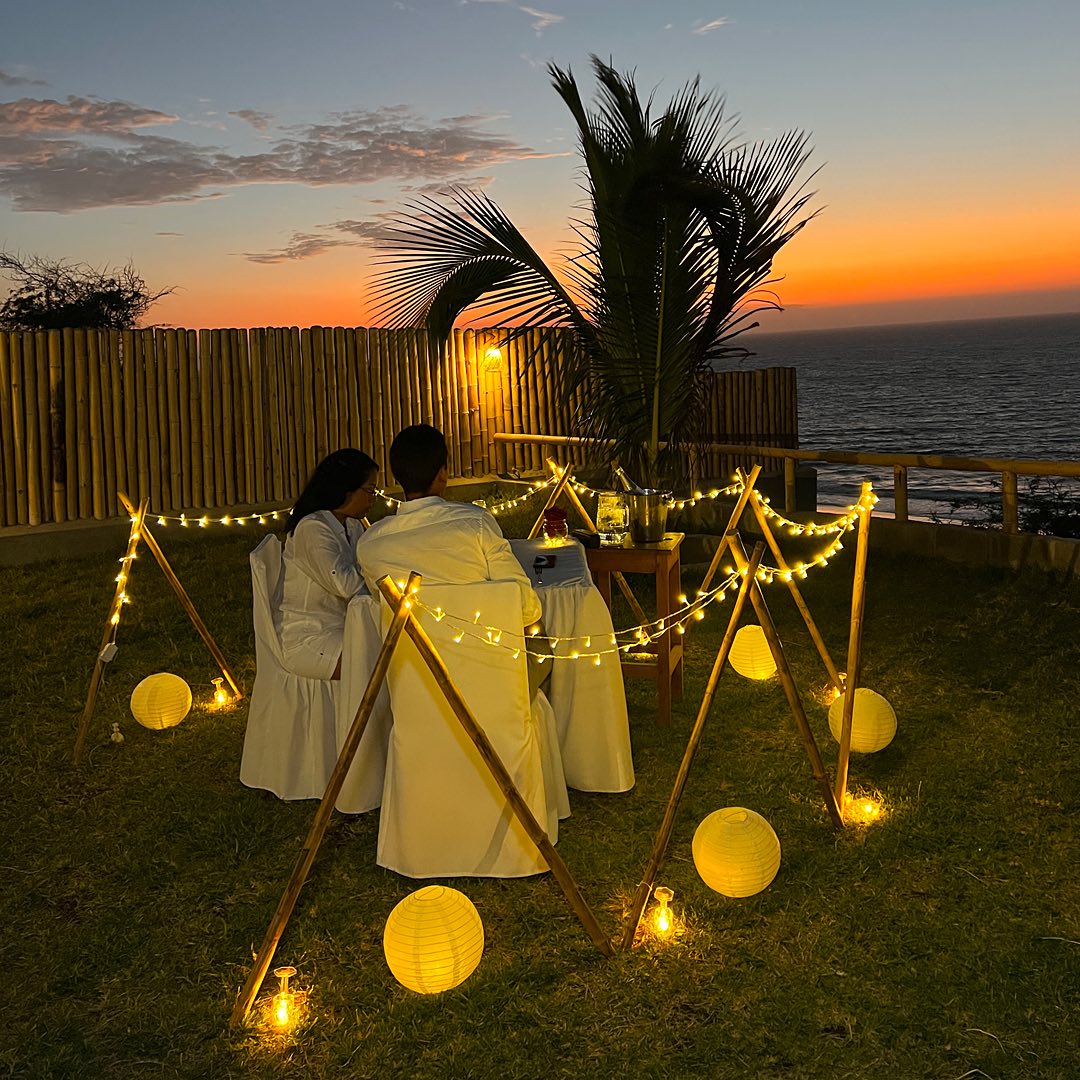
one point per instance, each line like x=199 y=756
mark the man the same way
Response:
x=447 y=543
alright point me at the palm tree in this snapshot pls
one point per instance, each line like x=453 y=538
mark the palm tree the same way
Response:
x=682 y=224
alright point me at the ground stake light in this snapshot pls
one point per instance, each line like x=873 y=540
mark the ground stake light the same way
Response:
x=736 y=851
x=873 y=722
x=221 y=696
x=663 y=920
x=433 y=939
x=282 y=1008
x=161 y=701
x=750 y=654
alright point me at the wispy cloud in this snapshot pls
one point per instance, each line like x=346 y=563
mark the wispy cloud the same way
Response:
x=259 y=120
x=82 y=153
x=306 y=245
x=709 y=27
x=544 y=19
x=7 y=79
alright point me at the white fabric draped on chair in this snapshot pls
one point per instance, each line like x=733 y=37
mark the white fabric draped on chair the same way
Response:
x=443 y=815
x=294 y=729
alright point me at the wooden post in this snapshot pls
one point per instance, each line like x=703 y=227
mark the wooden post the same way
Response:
x=789 y=485
x=796 y=594
x=1010 y=513
x=900 y=503
x=487 y=752
x=134 y=535
x=761 y=609
x=854 y=659
x=326 y=807
x=185 y=600
x=663 y=837
x=733 y=523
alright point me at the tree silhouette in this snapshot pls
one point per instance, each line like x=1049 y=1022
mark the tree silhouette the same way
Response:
x=51 y=294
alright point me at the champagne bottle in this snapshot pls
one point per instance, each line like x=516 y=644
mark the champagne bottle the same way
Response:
x=627 y=484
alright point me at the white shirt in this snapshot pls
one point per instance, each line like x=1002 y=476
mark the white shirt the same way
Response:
x=447 y=543
x=321 y=577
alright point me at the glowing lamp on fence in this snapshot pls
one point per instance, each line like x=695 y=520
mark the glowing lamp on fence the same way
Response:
x=492 y=363
x=736 y=851
x=873 y=722
x=161 y=701
x=283 y=1006
x=433 y=939
x=663 y=920
x=750 y=654
x=221 y=696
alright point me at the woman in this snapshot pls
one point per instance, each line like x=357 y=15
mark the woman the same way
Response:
x=321 y=571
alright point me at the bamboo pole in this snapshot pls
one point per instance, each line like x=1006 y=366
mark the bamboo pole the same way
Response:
x=206 y=414
x=1010 y=510
x=166 y=342
x=487 y=752
x=379 y=440
x=115 y=476
x=39 y=445
x=156 y=450
x=70 y=459
x=365 y=394
x=82 y=478
x=326 y=809
x=22 y=405
x=796 y=594
x=311 y=344
x=299 y=411
x=134 y=536
x=733 y=523
x=8 y=406
x=271 y=359
x=787 y=680
x=54 y=473
x=230 y=462
x=663 y=837
x=461 y=386
x=563 y=474
x=130 y=372
x=184 y=402
x=98 y=407
x=185 y=600
x=343 y=376
x=854 y=657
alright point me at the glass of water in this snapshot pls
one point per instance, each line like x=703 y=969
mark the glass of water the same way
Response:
x=612 y=517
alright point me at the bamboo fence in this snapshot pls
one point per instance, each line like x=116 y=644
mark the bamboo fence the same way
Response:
x=215 y=419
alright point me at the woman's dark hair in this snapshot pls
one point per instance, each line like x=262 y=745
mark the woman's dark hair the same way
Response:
x=334 y=477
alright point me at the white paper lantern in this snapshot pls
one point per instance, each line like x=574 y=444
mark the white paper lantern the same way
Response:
x=873 y=722
x=750 y=654
x=433 y=939
x=736 y=851
x=161 y=701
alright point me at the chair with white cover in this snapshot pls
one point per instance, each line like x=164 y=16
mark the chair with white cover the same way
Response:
x=443 y=814
x=294 y=730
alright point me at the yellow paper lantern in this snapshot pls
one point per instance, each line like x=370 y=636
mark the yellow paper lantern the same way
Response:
x=750 y=654
x=433 y=939
x=161 y=701
x=736 y=851
x=873 y=722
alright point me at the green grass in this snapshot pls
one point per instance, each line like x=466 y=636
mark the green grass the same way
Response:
x=941 y=942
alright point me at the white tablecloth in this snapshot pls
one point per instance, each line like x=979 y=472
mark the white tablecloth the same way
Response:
x=589 y=699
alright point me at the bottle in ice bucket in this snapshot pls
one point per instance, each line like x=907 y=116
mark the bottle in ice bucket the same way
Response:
x=555 y=527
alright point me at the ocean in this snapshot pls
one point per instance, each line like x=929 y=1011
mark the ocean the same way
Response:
x=977 y=388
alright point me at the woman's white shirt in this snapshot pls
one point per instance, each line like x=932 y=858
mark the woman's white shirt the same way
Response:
x=321 y=577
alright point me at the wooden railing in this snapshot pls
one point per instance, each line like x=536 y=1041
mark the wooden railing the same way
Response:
x=210 y=419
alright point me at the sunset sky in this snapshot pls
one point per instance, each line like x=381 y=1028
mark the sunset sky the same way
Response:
x=246 y=151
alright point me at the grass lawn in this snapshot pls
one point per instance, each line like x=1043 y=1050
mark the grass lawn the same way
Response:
x=943 y=941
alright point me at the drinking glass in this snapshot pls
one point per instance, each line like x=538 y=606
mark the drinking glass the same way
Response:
x=612 y=517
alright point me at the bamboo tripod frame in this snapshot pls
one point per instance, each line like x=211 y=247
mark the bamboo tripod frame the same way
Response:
x=404 y=620
x=140 y=533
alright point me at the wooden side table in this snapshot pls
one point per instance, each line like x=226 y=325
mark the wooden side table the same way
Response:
x=662 y=561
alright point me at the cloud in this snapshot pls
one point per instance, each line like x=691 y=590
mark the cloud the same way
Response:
x=7 y=79
x=83 y=153
x=306 y=245
x=259 y=120
x=166 y=233
x=714 y=24
x=544 y=19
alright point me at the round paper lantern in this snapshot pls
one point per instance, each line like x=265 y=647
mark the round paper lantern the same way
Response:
x=433 y=939
x=873 y=722
x=750 y=654
x=161 y=701
x=736 y=851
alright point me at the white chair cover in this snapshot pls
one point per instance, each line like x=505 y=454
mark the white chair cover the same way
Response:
x=292 y=738
x=443 y=815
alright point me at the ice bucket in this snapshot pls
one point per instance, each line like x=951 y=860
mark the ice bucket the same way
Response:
x=648 y=515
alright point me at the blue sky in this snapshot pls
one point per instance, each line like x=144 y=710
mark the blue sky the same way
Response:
x=246 y=152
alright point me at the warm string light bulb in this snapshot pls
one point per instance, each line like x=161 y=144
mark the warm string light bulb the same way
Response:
x=221 y=696
x=663 y=920
x=283 y=1006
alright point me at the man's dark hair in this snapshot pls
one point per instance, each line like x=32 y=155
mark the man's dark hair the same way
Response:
x=416 y=456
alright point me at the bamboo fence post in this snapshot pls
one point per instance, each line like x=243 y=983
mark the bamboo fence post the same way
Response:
x=311 y=345
x=22 y=405
x=1010 y=510
x=900 y=492
x=166 y=340
x=260 y=460
x=134 y=535
x=787 y=680
x=230 y=460
x=380 y=442
x=487 y=752
x=206 y=416
x=250 y=452
x=365 y=394
x=326 y=807
x=748 y=482
x=796 y=593
x=130 y=434
x=8 y=406
x=185 y=600
x=299 y=408
x=663 y=837
x=59 y=418
x=184 y=392
x=99 y=407
x=82 y=417
x=142 y=416
x=461 y=390
x=115 y=466
x=39 y=445
x=271 y=358
x=70 y=470
x=854 y=658
x=158 y=448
